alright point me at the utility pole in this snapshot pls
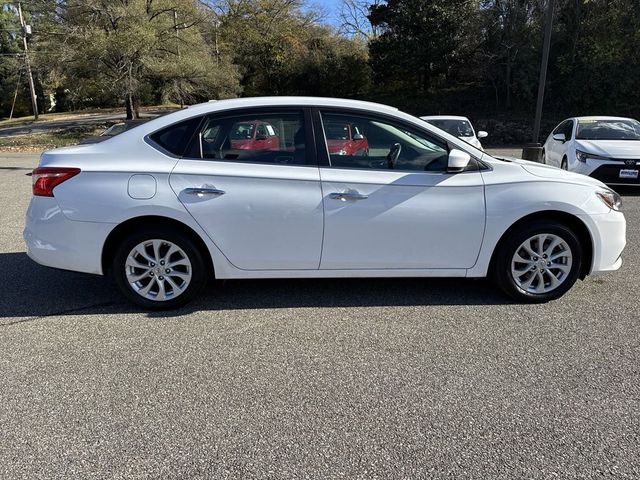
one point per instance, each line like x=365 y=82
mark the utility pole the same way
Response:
x=548 y=23
x=26 y=29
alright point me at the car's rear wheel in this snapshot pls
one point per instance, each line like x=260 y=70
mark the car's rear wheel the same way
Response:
x=564 y=165
x=538 y=262
x=543 y=159
x=159 y=268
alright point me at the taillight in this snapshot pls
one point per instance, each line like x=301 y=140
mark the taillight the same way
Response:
x=45 y=179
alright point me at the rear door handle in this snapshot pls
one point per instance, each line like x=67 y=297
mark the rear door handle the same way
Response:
x=344 y=196
x=201 y=192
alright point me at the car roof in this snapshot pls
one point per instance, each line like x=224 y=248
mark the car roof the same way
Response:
x=444 y=117
x=249 y=102
x=232 y=103
x=140 y=133
x=600 y=117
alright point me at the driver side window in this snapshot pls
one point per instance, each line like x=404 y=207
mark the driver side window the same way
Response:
x=356 y=141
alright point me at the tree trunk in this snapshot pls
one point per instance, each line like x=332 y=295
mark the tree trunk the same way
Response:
x=129 y=107
x=136 y=107
x=132 y=104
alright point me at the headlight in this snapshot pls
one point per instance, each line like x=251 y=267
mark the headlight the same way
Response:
x=610 y=198
x=341 y=152
x=582 y=156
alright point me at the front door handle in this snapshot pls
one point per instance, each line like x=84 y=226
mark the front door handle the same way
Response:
x=201 y=192
x=344 y=196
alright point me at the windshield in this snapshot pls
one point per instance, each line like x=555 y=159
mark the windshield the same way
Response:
x=608 y=130
x=457 y=128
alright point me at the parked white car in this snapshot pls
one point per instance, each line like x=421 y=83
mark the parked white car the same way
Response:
x=180 y=199
x=606 y=148
x=458 y=127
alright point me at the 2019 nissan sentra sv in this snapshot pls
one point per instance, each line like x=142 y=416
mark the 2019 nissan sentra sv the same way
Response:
x=167 y=205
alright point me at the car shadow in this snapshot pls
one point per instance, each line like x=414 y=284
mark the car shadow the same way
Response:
x=31 y=290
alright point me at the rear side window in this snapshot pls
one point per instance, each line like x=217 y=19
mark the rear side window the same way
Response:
x=175 y=138
x=272 y=138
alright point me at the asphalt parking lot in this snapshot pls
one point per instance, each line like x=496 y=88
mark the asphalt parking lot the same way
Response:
x=314 y=379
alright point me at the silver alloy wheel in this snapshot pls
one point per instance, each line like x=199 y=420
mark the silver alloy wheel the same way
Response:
x=158 y=270
x=541 y=263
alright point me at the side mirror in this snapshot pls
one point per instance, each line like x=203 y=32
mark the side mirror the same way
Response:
x=358 y=136
x=458 y=161
x=559 y=137
x=482 y=134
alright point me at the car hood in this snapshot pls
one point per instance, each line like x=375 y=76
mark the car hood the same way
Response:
x=554 y=173
x=611 y=148
x=472 y=141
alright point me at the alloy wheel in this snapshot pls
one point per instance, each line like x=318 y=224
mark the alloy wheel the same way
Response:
x=158 y=270
x=541 y=263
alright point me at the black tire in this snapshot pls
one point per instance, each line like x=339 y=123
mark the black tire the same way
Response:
x=543 y=160
x=501 y=268
x=197 y=269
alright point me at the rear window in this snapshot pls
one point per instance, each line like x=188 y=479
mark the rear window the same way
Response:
x=175 y=138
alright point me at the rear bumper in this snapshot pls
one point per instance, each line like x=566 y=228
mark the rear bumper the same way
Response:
x=55 y=241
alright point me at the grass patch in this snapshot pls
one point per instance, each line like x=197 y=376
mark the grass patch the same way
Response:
x=37 y=142
x=47 y=117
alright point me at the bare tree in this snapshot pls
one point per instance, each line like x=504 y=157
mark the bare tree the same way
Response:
x=354 y=18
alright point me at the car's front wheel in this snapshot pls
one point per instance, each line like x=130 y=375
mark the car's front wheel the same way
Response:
x=159 y=268
x=538 y=262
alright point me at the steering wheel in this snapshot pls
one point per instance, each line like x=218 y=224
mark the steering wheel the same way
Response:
x=393 y=155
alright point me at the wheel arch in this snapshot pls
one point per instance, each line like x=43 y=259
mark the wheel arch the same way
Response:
x=568 y=219
x=148 y=221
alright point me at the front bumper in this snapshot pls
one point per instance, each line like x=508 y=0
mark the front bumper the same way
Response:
x=610 y=174
x=608 y=232
x=55 y=241
x=608 y=171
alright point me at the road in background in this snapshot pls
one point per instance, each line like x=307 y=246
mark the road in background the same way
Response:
x=361 y=378
x=505 y=151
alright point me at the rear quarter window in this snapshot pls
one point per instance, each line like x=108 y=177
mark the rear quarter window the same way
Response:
x=175 y=138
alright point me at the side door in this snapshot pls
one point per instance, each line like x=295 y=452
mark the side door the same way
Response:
x=261 y=206
x=556 y=148
x=397 y=207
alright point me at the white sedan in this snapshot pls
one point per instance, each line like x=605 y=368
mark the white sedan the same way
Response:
x=458 y=127
x=606 y=148
x=205 y=192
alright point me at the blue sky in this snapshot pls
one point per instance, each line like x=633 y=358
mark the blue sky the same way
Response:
x=331 y=7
